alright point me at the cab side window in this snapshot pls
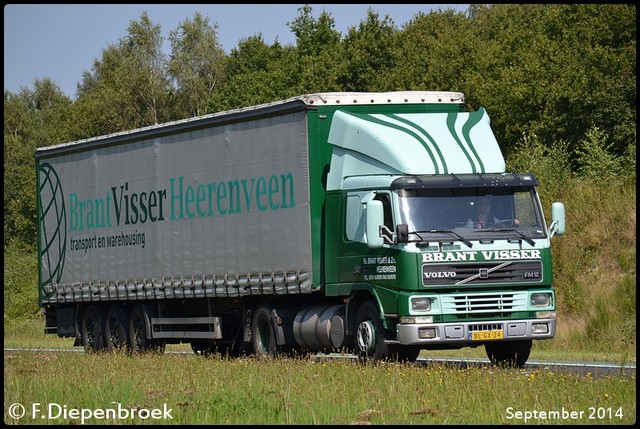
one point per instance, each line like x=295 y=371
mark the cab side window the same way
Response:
x=355 y=216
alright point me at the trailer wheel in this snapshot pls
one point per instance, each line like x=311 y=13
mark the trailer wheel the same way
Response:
x=117 y=328
x=263 y=337
x=138 y=340
x=93 y=323
x=370 y=343
x=509 y=353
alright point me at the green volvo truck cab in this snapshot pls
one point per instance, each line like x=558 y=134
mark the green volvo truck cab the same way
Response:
x=402 y=191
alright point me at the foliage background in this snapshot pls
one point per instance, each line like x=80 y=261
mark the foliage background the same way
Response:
x=558 y=81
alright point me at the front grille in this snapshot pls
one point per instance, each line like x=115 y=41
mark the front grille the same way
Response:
x=507 y=272
x=506 y=302
x=485 y=327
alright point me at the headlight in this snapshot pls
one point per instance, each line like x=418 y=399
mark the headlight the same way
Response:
x=540 y=299
x=420 y=304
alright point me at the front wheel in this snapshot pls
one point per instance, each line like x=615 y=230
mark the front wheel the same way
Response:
x=509 y=353
x=370 y=343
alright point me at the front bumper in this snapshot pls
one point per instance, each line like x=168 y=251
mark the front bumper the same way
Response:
x=461 y=333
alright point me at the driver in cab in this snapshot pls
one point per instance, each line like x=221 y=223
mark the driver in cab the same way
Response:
x=482 y=216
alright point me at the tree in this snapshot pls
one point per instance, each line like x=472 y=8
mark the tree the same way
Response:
x=255 y=75
x=370 y=54
x=196 y=64
x=555 y=71
x=319 y=53
x=148 y=85
x=32 y=119
x=128 y=87
x=433 y=52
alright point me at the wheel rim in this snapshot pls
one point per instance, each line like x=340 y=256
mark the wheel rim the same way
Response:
x=263 y=338
x=366 y=337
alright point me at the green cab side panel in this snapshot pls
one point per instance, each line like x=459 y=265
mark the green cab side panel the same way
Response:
x=412 y=143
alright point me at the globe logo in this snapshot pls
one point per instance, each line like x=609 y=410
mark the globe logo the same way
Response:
x=53 y=228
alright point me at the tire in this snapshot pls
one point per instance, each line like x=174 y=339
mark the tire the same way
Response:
x=509 y=353
x=117 y=329
x=263 y=338
x=138 y=324
x=404 y=353
x=369 y=338
x=92 y=330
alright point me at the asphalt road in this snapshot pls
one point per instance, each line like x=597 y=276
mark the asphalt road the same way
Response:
x=596 y=369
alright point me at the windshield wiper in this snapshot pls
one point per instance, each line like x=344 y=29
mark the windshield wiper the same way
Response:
x=442 y=231
x=524 y=237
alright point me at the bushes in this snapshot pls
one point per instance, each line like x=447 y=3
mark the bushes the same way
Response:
x=594 y=263
x=20 y=286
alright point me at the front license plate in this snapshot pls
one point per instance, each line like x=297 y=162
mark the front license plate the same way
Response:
x=486 y=335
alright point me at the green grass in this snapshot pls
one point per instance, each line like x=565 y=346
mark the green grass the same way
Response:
x=201 y=390
x=211 y=390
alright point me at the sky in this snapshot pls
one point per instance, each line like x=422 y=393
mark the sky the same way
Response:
x=61 y=41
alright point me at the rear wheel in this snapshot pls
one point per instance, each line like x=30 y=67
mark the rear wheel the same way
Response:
x=117 y=328
x=93 y=325
x=369 y=339
x=509 y=353
x=139 y=342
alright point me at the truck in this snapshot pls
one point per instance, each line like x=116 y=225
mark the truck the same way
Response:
x=323 y=223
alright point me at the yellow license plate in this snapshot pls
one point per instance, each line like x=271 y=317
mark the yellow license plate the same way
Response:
x=486 y=335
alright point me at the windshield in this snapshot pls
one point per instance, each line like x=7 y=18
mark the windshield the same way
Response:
x=471 y=212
